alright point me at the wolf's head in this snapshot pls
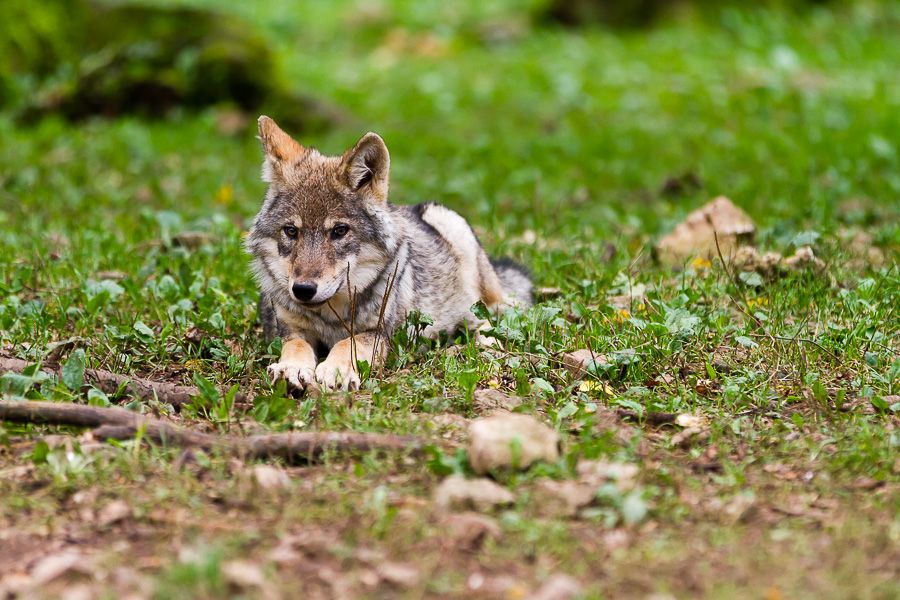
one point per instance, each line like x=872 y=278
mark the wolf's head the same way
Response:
x=324 y=221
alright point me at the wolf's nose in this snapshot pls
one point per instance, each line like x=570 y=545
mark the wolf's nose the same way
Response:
x=304 y=291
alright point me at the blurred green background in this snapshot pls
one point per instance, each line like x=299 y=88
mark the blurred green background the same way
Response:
x=583 y=122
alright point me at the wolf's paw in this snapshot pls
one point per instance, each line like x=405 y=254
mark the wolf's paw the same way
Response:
x=336 y=374
x=296 y=376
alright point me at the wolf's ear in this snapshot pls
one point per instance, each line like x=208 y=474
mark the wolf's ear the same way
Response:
x=280 y=148
x=368 y=164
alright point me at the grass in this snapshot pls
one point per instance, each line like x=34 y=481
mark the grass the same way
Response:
x=555 y=144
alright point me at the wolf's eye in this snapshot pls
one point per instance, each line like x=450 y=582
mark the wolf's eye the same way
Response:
x=290 y=231
x=339 y=231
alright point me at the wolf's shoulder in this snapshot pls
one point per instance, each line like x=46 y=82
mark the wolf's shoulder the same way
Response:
x=437 y=220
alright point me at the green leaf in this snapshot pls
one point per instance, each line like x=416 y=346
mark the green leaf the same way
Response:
x=40 y=452
x=73 y=370
x=879 y=403
x=750 y=278
x=634 y=509
x=745 y=341
x=681 y=323
x=819 y=391
x=805 y=238
x=542 y=385
x=481 y=311
x=97 y=397
x=208 y=391
x=145 y=334
x=567 y=411
x=275 y=406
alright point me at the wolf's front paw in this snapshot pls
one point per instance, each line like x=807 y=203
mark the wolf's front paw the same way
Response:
x=336 y=374
x=296 y=376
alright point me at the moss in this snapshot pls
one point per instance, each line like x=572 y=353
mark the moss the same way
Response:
x=142 y=59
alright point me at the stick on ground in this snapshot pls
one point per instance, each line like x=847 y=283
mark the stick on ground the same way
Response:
x=118 y=423
x=138 y=387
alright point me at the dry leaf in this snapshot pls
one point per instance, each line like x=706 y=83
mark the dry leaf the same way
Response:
x=596 y=387
x=803 y=258
x=469 y=530
x=696 y=235
x=490 y=400
x=578 y=362
x=115 y=511
x=546 y=293
x=690 y=435
x=192 y=239
x=558 y=587
x=112 y=275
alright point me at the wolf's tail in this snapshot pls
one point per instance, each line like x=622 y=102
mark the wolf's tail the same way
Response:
x=515 y=281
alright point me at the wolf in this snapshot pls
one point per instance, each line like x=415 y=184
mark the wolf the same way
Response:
x=340 y=268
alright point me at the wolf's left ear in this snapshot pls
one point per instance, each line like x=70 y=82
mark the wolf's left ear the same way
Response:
x=367 y=164
x=279 y=147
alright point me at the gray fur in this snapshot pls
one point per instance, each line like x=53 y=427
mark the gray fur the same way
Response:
x=426 y=254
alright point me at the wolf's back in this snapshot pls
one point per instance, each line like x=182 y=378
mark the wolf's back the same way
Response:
x=516 y=281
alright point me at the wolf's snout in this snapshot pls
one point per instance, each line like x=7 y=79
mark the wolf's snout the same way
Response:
x=304 y=292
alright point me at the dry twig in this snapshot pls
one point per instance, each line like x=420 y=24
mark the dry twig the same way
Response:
x=118 y=423
x=139 y=387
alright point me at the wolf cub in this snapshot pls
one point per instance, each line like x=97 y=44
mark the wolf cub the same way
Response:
x=340 y=268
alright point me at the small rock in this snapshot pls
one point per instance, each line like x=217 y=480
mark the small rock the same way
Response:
x=469 y=530
x=689 y=420
x=458 y=493
x=489 y=401
x=598 y=472
x=78 y=591
x=243 y=574
x=562 y=498
x=399 y=574
x=578 y=362
x=51 y=568
x=558 y=587
x=115 y=511
x=510 y=440
x=270 y=478
x=697 y=234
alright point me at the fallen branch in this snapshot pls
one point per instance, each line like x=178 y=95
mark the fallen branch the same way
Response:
x=654 y=419
x=138 y=387
x=118 y=423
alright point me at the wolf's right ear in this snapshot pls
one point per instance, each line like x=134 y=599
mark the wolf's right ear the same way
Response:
x=279 y=147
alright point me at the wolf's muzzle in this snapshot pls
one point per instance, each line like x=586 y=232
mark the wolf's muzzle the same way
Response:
x=304 y=292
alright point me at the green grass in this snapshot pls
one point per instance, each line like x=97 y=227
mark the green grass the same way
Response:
x=555 y=144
